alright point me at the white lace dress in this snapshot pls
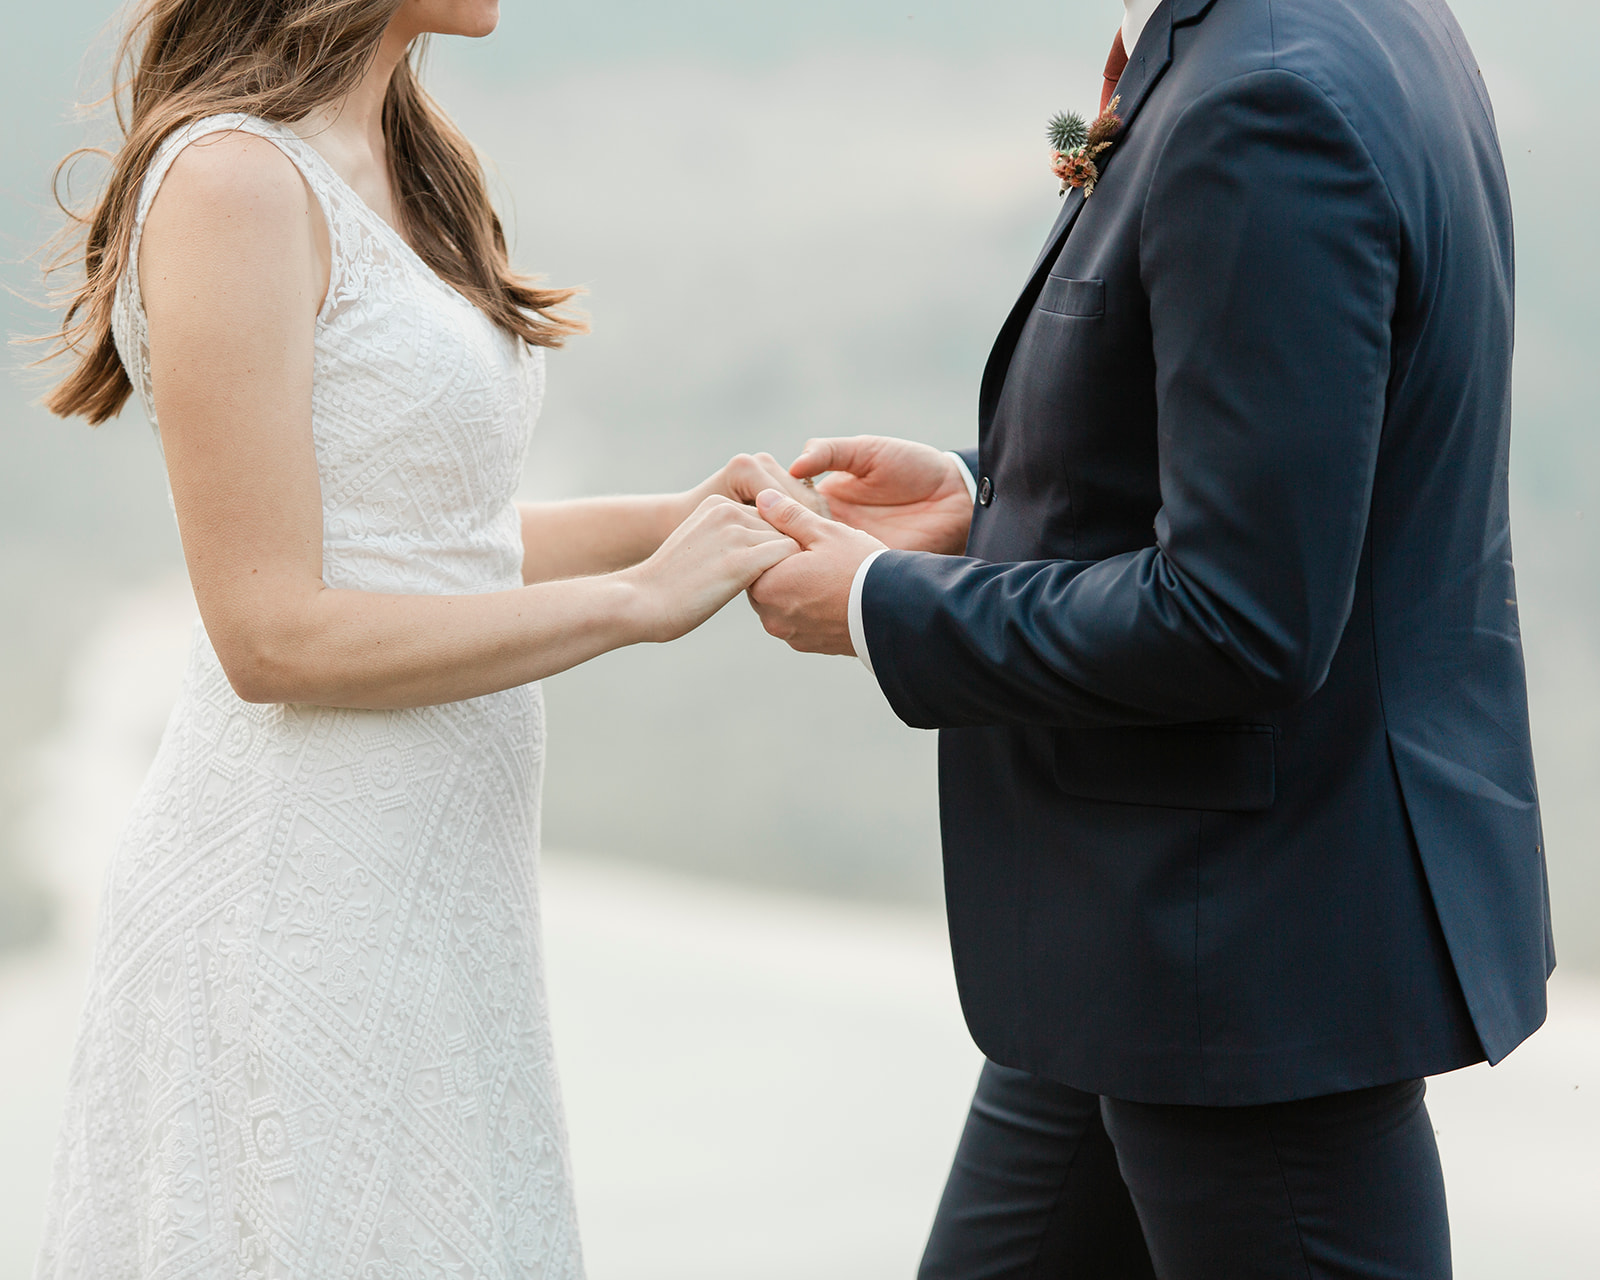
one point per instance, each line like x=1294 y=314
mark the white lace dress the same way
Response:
x=316 y=1042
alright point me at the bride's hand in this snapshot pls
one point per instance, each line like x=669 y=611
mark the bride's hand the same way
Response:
x=711 y=557
x=748 y=474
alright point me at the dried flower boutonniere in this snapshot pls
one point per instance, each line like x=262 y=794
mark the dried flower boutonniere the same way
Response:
x=1078 y=145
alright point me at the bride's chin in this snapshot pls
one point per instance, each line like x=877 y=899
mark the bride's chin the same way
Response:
x=483 y=18
x=473 y=19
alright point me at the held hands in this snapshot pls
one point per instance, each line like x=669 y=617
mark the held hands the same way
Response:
x=716 y=553
x=908 y=496
x=881 y=493
x=805 y=599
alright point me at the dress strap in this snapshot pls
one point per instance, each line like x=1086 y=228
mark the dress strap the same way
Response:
x=312 y=168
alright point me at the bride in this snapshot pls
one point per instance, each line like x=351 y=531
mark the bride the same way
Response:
x=315 y=1041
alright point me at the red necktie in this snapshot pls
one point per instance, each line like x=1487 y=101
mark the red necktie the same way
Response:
x=1116 y=64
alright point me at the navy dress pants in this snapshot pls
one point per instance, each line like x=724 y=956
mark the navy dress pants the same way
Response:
x=1053 y=1184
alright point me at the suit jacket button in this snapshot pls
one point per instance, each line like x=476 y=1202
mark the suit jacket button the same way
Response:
x=985 y=491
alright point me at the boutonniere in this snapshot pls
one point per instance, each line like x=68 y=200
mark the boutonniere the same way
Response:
x=1077 y=146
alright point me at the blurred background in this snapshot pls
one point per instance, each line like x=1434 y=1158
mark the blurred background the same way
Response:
x=792 y=220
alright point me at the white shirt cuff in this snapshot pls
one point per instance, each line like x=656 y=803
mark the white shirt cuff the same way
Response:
x=858 y=630
x=966 y=475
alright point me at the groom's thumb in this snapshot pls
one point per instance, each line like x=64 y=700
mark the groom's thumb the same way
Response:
x=786 y=515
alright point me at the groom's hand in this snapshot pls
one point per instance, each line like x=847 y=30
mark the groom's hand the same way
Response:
x=909 y=496
x=806 y=600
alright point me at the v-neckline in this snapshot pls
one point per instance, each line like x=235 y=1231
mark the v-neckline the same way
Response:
x=417 y=260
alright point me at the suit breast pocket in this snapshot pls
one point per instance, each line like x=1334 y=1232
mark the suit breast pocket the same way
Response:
x=1063 y=297
x=1220 y=767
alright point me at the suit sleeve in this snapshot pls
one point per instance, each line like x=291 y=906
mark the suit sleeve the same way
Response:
x=1269 y=250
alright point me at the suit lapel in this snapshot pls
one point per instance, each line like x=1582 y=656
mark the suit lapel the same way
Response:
x=1187 y=11
x=1150 y=59
x=1071 y=206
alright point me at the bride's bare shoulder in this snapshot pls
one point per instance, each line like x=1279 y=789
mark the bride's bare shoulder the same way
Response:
x=231 y=198
x=230 y=172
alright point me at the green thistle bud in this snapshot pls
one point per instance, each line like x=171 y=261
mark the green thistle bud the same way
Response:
x=1068 y=131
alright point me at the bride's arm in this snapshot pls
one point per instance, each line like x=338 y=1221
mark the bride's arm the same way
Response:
x=600 y=535
x=596 y=535
x=232 y=278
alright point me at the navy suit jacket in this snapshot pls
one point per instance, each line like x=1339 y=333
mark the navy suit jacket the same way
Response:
x=1237 y=792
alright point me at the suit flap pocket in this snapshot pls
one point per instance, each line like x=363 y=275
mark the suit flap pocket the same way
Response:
x=1225 y=767
x=1064 y=297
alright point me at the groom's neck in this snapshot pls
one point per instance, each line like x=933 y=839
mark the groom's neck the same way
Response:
x=1136 y=13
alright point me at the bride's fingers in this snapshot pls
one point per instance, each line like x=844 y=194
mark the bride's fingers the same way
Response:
x=749 y=474
x=740 y=529
x=767 y=555
x=772 y=541
x=752 y=472
x=738 y=515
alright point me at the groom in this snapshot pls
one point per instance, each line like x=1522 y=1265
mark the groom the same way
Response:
x=1240 y=826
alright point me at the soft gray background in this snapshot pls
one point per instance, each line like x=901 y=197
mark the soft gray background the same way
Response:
x=794 y=219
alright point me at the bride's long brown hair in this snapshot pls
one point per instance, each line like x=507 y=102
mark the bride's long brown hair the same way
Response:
x=182 y=60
